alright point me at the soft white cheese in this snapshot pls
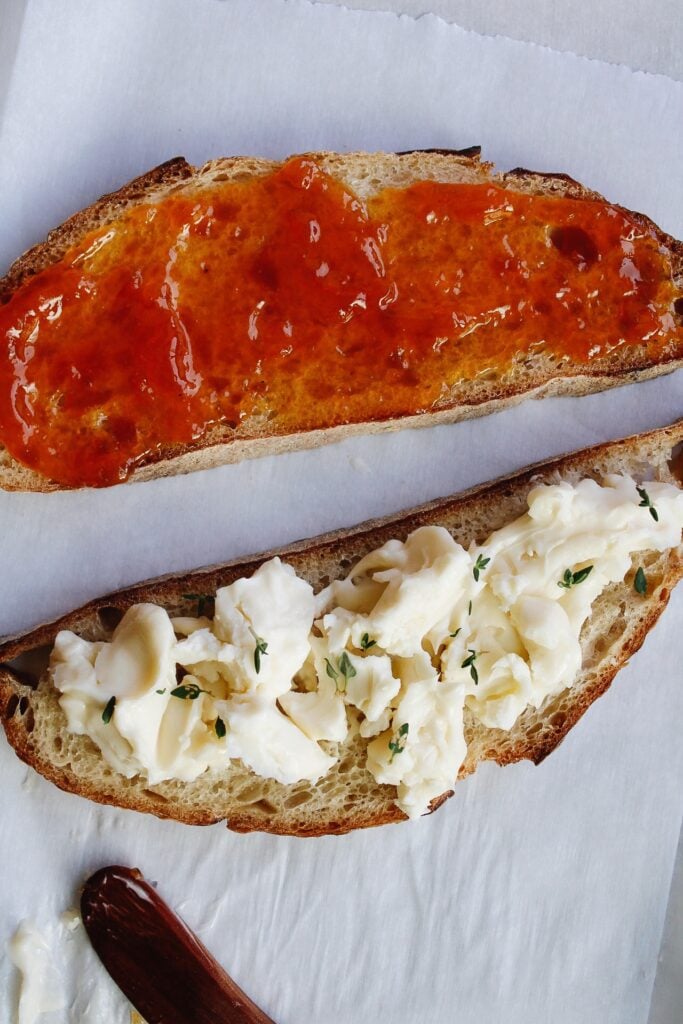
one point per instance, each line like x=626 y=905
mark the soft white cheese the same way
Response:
x=320 y=714
x=373 y=687
x=41 y=990
x=273 y=605
x=524 y=610
x=139 y=658
x=163 y=736
x=148 y=731
x=270 y=743
x=417 y=630
x=423 y=762
x=400 y=593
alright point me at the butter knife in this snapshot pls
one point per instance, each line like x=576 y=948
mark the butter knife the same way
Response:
x=154 y=958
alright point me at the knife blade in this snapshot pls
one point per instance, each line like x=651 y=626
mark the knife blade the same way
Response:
x=156 y=960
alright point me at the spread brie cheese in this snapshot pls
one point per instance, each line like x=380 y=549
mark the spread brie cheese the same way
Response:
x=41 y=990
x=419 y=630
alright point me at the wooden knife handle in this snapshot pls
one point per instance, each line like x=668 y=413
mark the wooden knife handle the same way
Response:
x=154 y=958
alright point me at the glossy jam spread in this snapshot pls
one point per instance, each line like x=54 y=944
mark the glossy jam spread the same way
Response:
x=284 y=303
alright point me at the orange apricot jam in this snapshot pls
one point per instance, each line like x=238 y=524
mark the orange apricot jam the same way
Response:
x=285 y=300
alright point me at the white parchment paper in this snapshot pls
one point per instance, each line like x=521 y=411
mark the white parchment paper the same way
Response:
x=536 y=894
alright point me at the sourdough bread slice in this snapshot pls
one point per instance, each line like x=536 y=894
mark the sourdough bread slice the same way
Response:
x=365 y=173
x=348 y=797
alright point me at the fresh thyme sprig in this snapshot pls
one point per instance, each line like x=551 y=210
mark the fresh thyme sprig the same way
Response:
x=469 y=663
x=188 y=691
x=204 y=603
x=479 y=566
x=344 y=671
x=572 y=579
x=395 y=745
x=646 y=502
x=261 y=648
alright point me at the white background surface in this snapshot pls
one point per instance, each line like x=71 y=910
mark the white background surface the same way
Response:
x=646 y=35
x=535 y=894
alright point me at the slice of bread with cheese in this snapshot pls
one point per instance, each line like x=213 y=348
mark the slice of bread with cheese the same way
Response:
x=479 y=530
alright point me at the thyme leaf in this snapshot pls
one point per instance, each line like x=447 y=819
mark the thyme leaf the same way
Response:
x=640 y=582
x=646 y=502
x=572 y=579
x=395 y=745
x=109 y=710
x=479 y=566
